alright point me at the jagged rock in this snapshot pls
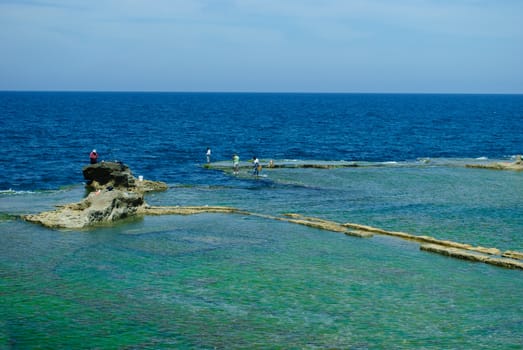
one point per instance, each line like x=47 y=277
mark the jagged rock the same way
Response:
x=102 y=175
x=102 y=206
x=117 y=175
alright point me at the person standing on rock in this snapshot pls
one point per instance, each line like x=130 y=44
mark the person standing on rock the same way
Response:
x=256 y=166
x=236 y=164
x=93 y=157
x=208 y=155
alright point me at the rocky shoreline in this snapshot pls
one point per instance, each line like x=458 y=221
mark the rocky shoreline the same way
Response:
x=115 y=194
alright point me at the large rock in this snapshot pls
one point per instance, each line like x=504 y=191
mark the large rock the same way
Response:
x=105 y=174
x=114 y=194
x=102 y=206
x=117 y=175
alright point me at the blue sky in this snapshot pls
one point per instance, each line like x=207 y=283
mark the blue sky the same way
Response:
x=458 y=46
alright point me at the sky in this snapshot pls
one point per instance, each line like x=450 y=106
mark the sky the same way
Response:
x=375 y=46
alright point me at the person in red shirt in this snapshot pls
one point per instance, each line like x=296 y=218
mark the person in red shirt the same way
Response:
x=93 y=157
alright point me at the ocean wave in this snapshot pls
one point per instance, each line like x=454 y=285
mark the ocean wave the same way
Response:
x=13 y=192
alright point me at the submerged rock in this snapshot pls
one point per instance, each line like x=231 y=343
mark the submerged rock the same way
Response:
x=115 y=194
x=472 y=256
x=516 y=165
x=177 y=210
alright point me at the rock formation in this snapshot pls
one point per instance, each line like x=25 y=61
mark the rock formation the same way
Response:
x=114 y=194
x=108 y=175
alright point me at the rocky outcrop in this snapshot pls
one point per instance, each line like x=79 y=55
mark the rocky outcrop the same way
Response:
x=117 y=175
x=516 y=165
x=115 y=194
x=102 y=206
x=105 y=174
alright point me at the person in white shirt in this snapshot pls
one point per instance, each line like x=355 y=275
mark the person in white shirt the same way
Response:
x=236 y=164
x=256 y=166
x=208 y=154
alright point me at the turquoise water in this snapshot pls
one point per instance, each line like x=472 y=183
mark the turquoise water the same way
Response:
x=236 y=281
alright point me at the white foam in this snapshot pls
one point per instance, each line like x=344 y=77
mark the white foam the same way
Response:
x=11 y=191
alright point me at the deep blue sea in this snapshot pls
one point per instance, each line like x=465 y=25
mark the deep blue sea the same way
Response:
x=218 y=281
x=47 y=136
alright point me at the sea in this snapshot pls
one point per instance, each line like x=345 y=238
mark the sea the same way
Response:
x=239 y=281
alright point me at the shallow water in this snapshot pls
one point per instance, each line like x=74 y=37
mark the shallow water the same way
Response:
x=231 y=282
x=236 y=281
x=473 y=206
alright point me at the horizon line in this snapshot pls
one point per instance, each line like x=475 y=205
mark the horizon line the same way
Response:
x=265 y=92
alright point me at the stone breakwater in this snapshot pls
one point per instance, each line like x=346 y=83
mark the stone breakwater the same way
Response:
x=493 y=256
x=116 y=194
